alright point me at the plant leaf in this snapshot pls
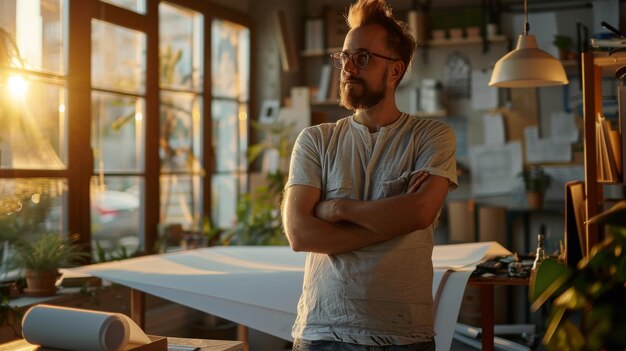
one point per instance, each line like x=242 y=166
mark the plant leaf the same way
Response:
x=546 y=280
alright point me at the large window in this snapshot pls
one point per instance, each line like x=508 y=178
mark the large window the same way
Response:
x=181 y=116
x=230 y=109
x=117 y=136
x=107 y=131
x=33 y=123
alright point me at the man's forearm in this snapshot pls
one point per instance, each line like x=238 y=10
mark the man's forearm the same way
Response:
x=307 y=232
x=393 y=216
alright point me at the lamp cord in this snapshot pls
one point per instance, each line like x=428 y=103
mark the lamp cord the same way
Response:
x=526 y=25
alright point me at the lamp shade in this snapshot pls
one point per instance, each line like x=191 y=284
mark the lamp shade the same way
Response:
x=527 y=66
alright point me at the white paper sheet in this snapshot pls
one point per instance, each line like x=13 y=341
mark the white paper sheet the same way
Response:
x=79 y=330
x=563 y=127
x=495 y=168
x=259 y=286
x=560 y=176
x=484 y=97
x=467 y=255
x=545 y=150
x=493 y=127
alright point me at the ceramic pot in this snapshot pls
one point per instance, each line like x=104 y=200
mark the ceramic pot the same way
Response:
x=41 y=283
x=535 y=200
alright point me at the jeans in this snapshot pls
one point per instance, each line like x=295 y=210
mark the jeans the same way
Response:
x=325 y=345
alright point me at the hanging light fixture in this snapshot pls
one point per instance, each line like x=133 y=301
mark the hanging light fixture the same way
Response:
x=527 y=66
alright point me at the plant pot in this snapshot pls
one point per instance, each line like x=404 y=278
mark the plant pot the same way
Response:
x=535 y=200
x=41 y=283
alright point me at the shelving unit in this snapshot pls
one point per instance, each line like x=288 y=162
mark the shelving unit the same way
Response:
x=594 y=67
x=464 y=41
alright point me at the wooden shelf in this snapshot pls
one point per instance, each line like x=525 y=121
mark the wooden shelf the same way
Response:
x=435 y=114
x=319 y=53
x=324 y=103
x=463 y=41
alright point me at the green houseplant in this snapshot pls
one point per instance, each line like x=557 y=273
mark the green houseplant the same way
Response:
x=536 y=182
x=258 y=213
x=564 y=44
x=588 y=301
x=41 y=259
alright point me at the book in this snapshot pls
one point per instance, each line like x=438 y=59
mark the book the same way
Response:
x=608 y=153
x=621 y=128
x=575 y=233
x=336 y=28
x=333 y=93
x=322 y=92
x=287 y=51
x=314 y=35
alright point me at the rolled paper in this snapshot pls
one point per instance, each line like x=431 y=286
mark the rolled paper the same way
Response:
x=75 y=329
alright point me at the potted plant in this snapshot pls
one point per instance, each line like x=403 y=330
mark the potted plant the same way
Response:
x=589 y=300
x=536 y=182
x=41 y=259
x=564 y=44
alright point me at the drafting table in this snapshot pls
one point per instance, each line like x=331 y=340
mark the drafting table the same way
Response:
x=259 y=286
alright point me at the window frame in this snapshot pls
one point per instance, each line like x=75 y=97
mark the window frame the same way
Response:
x=77 y=26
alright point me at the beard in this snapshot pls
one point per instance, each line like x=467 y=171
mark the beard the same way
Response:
x=368 y=96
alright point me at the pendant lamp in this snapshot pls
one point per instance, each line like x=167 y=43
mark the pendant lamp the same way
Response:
x=527 y=66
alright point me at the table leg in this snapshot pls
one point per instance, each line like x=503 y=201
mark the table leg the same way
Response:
x=242 y=335
x=138 y=307
x=486 y=301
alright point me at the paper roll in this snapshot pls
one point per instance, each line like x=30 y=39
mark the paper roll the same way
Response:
x=79 y=330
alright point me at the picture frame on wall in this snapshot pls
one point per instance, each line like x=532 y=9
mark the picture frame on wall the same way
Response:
x=269 y=111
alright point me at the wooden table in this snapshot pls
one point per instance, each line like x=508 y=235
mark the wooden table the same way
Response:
x=486 y=285
x=208 y=345
x=203 y=344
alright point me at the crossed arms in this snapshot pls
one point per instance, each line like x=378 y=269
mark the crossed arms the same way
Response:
x=341 y=225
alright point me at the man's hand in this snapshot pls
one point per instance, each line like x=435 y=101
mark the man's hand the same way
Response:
x=416 y=181
x=330 y=210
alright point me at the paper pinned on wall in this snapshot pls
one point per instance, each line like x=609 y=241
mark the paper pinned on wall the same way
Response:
x=493 y=127
x=495 y=168
x=563 y=127
x=561 y=175
x=483 y=96
x=545 y=150
x=543 y=27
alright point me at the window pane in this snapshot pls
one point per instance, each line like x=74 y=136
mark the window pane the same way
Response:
x=115 y=69
x=230 y=59
x=180 y=35
x=117 y=136
x=28 y=209
x=133 y=5
x=31 y=31
x=243 y=137
x=224 y=190
x=180 y=200
x=226 y=136
x=180 y=140
x=32 y=135
x=116 y=209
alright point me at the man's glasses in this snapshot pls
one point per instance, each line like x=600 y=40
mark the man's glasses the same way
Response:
x=360 y=58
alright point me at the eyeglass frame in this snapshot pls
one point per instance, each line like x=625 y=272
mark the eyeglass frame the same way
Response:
x=342 y=63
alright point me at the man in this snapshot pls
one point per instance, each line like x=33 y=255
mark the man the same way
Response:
x=363 y=197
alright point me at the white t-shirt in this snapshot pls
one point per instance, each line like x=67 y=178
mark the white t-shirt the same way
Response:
x=381 y=294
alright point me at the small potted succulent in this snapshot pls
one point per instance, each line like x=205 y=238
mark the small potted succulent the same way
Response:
x=536 y=182
x=41 y=259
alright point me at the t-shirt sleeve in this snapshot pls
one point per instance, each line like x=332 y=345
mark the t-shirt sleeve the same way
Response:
x=438 y=154
x=305 y=167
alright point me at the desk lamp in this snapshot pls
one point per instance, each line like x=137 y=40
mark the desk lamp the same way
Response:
x=527 y=66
